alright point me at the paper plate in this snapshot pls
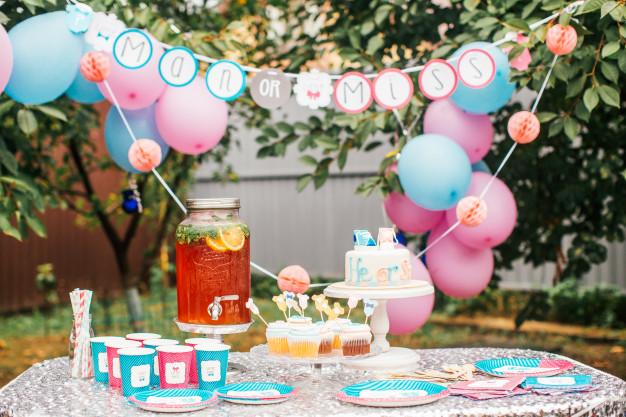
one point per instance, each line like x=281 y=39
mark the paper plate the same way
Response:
x=173 y=400
x=392 y=393
x=523 y=366
x=256 y=393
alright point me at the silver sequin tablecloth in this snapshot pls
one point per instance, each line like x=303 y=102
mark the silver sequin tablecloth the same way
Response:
x=45 y=390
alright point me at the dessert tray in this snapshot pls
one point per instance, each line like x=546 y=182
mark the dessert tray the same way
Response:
x=263 y=353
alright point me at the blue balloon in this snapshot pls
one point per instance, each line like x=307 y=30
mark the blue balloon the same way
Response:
x=434 y=171
x=84 y=91
x=492 y=97
x=46 y=58
x=118 y=140
x=481 y=166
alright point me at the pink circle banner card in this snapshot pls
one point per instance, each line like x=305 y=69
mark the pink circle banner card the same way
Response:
x=353 y=93
x=393 y=89
x=476 y=68
x=438 y=79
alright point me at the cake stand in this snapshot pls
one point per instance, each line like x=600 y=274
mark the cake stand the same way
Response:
x=390 y=358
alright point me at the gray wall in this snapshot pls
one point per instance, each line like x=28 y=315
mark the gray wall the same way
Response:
x=314 y=228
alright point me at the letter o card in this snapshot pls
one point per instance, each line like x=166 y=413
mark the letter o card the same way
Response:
x=178 y=66
x=226 y=80
x=476 y=68
x=393 y=89
x=270 y=89
x=132 y=49
x=353 y=93
x=437 y=79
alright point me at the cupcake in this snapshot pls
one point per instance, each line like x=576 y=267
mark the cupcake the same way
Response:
x=304 y=342
x=276 y=335
x=326 y=342
x=355 y=339
x=296 y=321
x=335 y=326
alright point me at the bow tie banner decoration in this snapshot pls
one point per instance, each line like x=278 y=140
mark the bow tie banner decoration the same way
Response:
x=160 y=101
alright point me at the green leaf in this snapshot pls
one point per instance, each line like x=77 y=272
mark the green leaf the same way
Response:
x=591 y=98
x=308 y=160
x=367 y=27
x=7 y=159
x=609 y=71
x=621 y=61
x=546 y=116
x=517 y=24
x=8 y=229
x=571 y=128
x=607 y=8
x=592 y=6
x=374 y=44
x=555 y=128
x=26 y=121
x=610 y=48
x=52 y=112
x=355 y=39
x=36 y=225
x=6 y=106
x=382 y=13
x=285 y=127
x=575 y=87
x=303 y=181
x=609 y=95
x=471 y=4
x=485 y=21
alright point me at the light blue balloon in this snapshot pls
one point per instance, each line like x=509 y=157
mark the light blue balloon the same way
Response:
x=84 y=91
x=46 y=56
x=492 y=97
x=434 y=171
x=481 y=166
x=118 y=140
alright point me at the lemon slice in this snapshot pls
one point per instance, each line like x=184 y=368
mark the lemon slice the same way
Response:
x=215 y=244
x=233 y=238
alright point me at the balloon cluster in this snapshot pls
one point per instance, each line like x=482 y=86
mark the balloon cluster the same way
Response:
x=449 y=189
x=79 y=62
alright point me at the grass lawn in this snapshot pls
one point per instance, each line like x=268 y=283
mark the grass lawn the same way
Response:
x=23 y=342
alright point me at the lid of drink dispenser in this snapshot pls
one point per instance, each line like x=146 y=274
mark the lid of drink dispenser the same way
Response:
x=212 y=203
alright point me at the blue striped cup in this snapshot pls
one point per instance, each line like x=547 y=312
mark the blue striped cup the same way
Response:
x=136 y=369
x=99 y=356
x=211 y=364
x=153 y=343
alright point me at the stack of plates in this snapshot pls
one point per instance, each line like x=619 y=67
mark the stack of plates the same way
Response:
x=256 y=393
x=392 y=393
x=173 y=400
x=506 y=367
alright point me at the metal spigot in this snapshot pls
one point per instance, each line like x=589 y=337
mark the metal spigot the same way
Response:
x=215 y=308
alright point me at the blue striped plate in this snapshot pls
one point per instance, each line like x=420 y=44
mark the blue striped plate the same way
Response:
x=256 y=392
x=173 y=400
x=392 y=393
x=523 y=366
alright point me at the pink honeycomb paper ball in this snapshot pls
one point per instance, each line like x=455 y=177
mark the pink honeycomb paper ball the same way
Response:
x=294 y=278
x=471 y=211
x=95 y=66
x=524 y=127
x=561 y=40
x=144 y=155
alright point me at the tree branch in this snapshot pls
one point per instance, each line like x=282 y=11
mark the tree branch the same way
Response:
x=108 y=228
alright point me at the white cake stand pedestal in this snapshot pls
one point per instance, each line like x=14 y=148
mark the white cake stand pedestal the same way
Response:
x=391 y=358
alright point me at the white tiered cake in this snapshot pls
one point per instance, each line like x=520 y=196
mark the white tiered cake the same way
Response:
x=377 y=264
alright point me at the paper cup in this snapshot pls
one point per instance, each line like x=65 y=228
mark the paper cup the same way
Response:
x=193 y=372
x=136 y=369
x=174 y=363
x=99 y=356
x=141 y=337
x=211 y=365
x=113 y=359
x=154 y=343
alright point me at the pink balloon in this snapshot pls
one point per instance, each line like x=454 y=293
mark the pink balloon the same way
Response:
x=136 y=88
x=190 y=119
x=408 y=216
x=406 y=315
x=473 y=132
x=6 y=58
x=458 y=270
x=501 y=214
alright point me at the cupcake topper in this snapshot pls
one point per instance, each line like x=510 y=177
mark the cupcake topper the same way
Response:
x=254 y=309
x=353 y=300
x=303 y=301
x=338 y=310
x=320 y=300
x=290 y=300
x=368 y=307
x=329 y=312
x=280 y=302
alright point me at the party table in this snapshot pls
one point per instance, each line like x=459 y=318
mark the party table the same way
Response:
x=46 y=390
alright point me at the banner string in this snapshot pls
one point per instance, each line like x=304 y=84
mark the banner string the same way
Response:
x=509 y=37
